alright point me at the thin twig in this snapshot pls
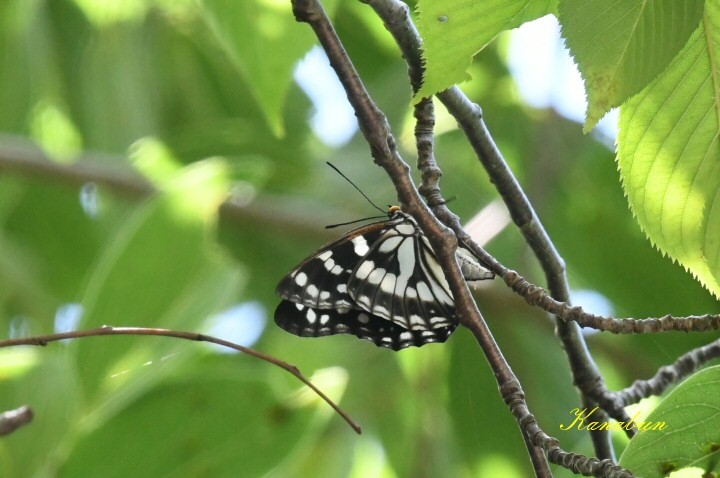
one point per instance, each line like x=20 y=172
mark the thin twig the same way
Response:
x=669 y=374
x=43 y=340
x=537 y=296
x=582 y=365
x=11 y=420
x=22 y=156
x=112 y=173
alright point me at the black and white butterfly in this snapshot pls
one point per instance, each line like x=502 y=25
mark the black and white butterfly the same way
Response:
x=380 y=282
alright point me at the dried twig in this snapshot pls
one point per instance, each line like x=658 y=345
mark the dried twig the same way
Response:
x=11 y=420
x=430 y=189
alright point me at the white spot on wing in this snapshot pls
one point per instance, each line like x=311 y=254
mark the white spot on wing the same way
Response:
x=390 y=244
x=329 y=264
x=301 y=279
x=381 y=311
x=360 y=245
x=400 y=320
x=364 y=270
x=406 y=260
x=438 y=273
x=342 y=288
x=439 y=321
x=363 y=301
x=376 y=276
x=312 y=291
x=388 y=283
x=424 y=292
x=405 y=229
x=311 y=316
x=325 y=255
x=363 y=318
x=337 y=270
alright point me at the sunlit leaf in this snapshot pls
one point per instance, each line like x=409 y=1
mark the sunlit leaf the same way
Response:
x=621 y=46
x=691 y=436
x=264 y=42
x=454 y=31
x=669 y=156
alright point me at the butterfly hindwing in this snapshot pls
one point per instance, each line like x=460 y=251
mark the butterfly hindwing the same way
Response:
x=307 y=322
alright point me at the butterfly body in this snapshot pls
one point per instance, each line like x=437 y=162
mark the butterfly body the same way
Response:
x=379 y=282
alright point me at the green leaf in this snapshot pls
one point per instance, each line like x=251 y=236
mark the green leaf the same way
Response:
x=264 y=42
x=668 y=156
x=692 y=433
x=215 y=418
x=454 y=31
x=161 y=267
x=159 y=270
x=51 y=388
x=620 y=47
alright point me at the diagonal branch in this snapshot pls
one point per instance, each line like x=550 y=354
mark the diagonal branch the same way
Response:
x=537 y=296
x=669 y=374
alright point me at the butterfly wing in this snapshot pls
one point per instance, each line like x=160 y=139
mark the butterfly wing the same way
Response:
x=399 y=279
x=308 y=322
x=320 y=281
x=380 y=282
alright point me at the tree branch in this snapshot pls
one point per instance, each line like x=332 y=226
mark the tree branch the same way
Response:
x=469 y=117
x=424 y=113
x=537 y=296
x=668 y=375
x=18 y=156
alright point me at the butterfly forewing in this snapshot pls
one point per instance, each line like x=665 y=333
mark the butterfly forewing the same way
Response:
x=320 y=281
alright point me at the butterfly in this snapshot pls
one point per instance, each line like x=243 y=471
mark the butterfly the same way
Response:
x=381 y=282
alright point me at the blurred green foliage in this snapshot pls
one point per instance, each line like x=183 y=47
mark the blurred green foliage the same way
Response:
x=197 y=98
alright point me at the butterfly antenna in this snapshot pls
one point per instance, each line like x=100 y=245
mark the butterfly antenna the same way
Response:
x=358 y=190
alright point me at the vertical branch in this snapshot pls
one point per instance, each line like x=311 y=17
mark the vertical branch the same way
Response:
x=586 y=375
x=469 y=117
x=424 y=113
